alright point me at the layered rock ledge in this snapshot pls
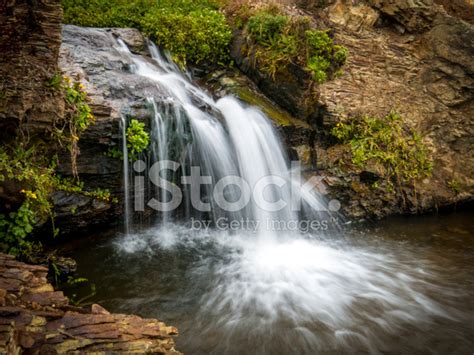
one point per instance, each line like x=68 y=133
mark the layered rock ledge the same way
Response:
x=36 y=319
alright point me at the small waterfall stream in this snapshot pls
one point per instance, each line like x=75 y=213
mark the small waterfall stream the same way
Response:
x=225 y=139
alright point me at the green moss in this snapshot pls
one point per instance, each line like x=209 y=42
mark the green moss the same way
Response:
x=280 y=117
x=397 y=152
x=193 y=31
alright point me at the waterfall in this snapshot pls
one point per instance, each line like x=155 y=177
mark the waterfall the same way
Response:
x=225 y=139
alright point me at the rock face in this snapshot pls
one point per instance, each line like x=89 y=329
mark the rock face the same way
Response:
x=93 y=57
x=30 y=36
x=411 y=16
x=35 y=319
x=425 y=76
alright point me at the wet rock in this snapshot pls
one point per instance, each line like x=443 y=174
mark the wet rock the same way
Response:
x=40 y=320
x=289 y=87
x=91 y=56
x=132 y=38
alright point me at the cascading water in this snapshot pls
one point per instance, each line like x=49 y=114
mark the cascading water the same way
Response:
x=270 y=292
x=225 y=139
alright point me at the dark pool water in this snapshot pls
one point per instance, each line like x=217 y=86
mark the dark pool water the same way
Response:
x=403 y=285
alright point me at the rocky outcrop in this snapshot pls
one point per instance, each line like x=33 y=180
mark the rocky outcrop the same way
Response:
x=463 y=9
x=36 y=319
x=410 y=56
x=30 y=37
x=289 y=87
x=93 y=57
x=427 y=77
x=409 y=15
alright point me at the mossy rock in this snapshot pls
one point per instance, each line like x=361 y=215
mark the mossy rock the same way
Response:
x=277 y=115
x=233 y=83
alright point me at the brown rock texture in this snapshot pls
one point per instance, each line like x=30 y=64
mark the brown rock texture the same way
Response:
x=428 y=78
x=35 y=319
x=30 y=37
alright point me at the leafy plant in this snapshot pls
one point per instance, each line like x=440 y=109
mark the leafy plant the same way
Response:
x=137 y=139
x=454 y=185
x=278 y=53
x=264 y=26
x=198 y=36
x=75 y=186
x=397 y=151
x=279 y=40
x=323 y=55
x=114 y=152
x=29 y=168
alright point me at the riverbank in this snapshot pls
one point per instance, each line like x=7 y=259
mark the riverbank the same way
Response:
x=35 y=318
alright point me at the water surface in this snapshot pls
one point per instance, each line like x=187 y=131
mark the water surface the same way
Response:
x=403 y=285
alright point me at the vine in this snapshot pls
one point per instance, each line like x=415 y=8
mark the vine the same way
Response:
x=77 y=118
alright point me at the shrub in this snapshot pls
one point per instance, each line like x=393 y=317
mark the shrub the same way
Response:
x=193 y=31
x=31 y=171
x=264 y=26
x=385 y=141
x=277 y=53
x=198 y=36
x=278 y=40
x=29 y=168
x=324 y=58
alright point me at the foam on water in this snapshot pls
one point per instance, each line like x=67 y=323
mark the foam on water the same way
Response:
x=317 y=293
